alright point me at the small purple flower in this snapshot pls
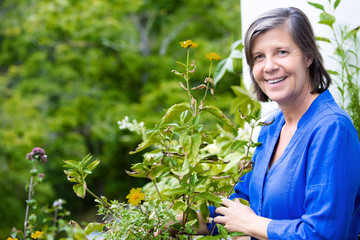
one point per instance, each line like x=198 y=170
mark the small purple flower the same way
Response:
x=58 y=203
x=37 y=154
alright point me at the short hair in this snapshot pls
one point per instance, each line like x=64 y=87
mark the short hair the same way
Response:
x=301 y=32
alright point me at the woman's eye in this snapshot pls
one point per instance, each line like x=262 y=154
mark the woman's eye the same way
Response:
x=282 y=52
x=258 y=57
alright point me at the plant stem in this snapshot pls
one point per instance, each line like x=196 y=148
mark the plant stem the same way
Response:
x=187 y=78
x=247 y=162
x=106 y=205
x=157 y=189
x=29 y=198
x=207 y=84
x=55 y=219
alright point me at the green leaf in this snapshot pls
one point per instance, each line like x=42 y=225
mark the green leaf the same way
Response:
x=152 y=139
x=204 y=211
x=157 y=171
x=87 y=171
x=138 y=167
x=181 y=64
x=236 y=234
x=191 y=144
x=80 y=189
x=232 y=64
x=195 y=144
x=93 y=165
x=211 y=197
x=175 y=191
x=238 y=45
x=79 y=232
x=220 y=70
x=185 y=168
x=185 y=116
x=193 y=180
x=216 y=112
x=173 y=113
x=140 y=174
x=74 y=180
x=323 y=39
x=233 y=159
x=351 y=33
x=333 y=72
x=327 y=19
x=222 y=230
x=336 y=4
x=196 y=120
x=72 y=173
x=237 y=65
x=193 y=219
x=185 y=143
x=92 y=227
x=176 y=226
x=71 y=164
x=317 y=5
x=85 y=160
x=179 y=205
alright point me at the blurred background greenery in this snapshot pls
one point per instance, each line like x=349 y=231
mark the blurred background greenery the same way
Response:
x=70 y=69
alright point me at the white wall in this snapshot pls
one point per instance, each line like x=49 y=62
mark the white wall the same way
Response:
x=348 y=13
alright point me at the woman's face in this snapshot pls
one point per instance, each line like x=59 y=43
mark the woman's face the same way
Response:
x=280 y=67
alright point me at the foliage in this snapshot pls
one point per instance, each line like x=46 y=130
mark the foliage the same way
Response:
x=186 y=175
x=53 y=225
x=71 y=69
x=346 y=43
x=35 y=156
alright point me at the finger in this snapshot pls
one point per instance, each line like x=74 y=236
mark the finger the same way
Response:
x=219 y=219
x=226 y=202
x=221 y=210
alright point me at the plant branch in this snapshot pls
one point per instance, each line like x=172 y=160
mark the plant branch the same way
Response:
x=105 y=204
x=31 y=189
x=157 y=189
x=246 y=160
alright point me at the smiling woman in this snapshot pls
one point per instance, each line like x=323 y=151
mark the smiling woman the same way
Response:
x=281 y=69
x=300 y=188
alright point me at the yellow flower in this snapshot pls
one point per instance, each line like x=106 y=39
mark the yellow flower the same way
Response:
x=10 y=238
x=212 y=56
x=135 y=196
x=36 y=235
x=188 y=44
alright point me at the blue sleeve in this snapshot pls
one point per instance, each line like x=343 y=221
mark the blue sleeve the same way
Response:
x=332 y=186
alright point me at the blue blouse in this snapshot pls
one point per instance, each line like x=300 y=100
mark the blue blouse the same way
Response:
x=313 y=190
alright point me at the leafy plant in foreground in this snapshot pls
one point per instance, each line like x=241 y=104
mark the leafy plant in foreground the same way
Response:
x=201 y=165
x=53 y=225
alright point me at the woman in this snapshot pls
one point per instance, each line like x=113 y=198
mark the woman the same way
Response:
x=306 y=177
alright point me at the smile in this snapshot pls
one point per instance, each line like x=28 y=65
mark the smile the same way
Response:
x=277 y=80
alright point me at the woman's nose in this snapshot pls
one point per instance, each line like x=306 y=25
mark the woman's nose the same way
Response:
x=270 y=65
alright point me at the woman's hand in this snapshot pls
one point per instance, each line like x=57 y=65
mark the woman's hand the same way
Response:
x=238 y=217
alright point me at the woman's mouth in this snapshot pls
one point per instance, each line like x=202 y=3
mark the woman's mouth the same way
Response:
x=277 y=80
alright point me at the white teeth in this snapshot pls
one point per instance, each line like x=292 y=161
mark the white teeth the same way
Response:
x=276 y=80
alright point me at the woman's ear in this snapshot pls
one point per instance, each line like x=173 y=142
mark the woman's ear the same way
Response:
x=309 y=61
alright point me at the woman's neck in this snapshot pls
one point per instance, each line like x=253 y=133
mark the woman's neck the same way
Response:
x=296 y=109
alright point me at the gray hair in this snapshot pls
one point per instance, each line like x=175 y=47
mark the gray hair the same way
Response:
x=302 y=33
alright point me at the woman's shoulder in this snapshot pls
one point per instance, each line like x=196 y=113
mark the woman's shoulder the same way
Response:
x=325 y=112
x=331 y=114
